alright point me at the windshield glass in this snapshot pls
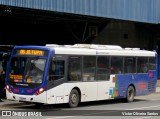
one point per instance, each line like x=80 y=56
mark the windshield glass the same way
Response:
x=26 y=70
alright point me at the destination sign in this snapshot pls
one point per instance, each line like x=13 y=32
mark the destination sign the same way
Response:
x=31 y=52
x=17 y=77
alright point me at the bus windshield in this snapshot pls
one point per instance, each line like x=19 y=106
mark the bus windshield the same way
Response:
x=26 y=70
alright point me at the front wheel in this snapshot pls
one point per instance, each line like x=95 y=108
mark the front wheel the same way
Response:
x=130 y=94
x=74 y=98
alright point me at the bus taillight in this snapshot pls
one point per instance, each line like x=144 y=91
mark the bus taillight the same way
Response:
x=39 y=91
x=8 y=88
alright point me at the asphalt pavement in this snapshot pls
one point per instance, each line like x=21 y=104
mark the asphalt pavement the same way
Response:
x=7 y=103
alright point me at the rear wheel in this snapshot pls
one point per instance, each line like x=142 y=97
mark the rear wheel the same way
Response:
x=130 y=94
x=74 y=98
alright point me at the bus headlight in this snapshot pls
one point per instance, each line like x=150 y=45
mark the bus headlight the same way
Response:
x=8 y=88
x=39 y=91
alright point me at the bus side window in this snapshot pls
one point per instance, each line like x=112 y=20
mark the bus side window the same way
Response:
x=75 y=72
x=130 y=65
x=152 y=63
x=89 y=68
x=103 y=71
x=142 y=63
x=51 y=73
x=56 y=70
x=116 y=65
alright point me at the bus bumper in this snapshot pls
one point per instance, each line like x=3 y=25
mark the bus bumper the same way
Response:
x=41 y=98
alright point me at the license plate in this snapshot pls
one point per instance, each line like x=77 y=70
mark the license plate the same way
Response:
x=22 y=99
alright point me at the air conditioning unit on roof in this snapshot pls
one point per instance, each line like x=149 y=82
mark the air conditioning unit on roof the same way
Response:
x=98 y=47
x=106 y=47
x=81 y=46
x=52 y=45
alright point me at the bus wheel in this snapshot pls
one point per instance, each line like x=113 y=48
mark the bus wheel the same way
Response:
x=130 y=94
x=74 y=98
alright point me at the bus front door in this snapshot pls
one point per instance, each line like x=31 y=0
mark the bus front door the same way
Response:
x=56 y=79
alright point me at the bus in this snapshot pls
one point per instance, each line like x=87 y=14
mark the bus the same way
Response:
x=79 y=73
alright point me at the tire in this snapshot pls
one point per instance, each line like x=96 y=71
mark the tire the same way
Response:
x=130 y=94
x=74 y=98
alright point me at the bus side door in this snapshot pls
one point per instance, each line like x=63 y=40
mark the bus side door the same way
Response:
x=56 y=79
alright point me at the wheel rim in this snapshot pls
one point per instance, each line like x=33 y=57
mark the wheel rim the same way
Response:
x=74 y=98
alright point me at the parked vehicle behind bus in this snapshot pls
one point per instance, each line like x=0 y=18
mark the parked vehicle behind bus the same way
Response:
x=79 y=73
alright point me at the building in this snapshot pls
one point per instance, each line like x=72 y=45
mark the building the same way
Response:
x=129 y=23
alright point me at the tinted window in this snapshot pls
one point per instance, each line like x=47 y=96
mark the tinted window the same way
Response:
x=103 y=68
x=142 y=64
x=130 y=65
x=116 y=65
x=89 y=66
x=152 y=63
x=74 y=71
x=56 y=70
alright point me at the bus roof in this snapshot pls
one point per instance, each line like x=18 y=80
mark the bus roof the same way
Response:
x=93 y=49
x=32 y=47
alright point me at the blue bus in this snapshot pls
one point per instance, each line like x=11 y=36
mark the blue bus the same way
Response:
x=55 y=74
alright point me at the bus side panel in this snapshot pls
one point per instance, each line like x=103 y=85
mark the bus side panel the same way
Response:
x=143 y=83
x=68 y=88
x=90 y=93
x=88 y=90
x=122 y=82
x=61 y=93
x=139 y=82
x=105 y=89
x=55 y=95
x=152 y=81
